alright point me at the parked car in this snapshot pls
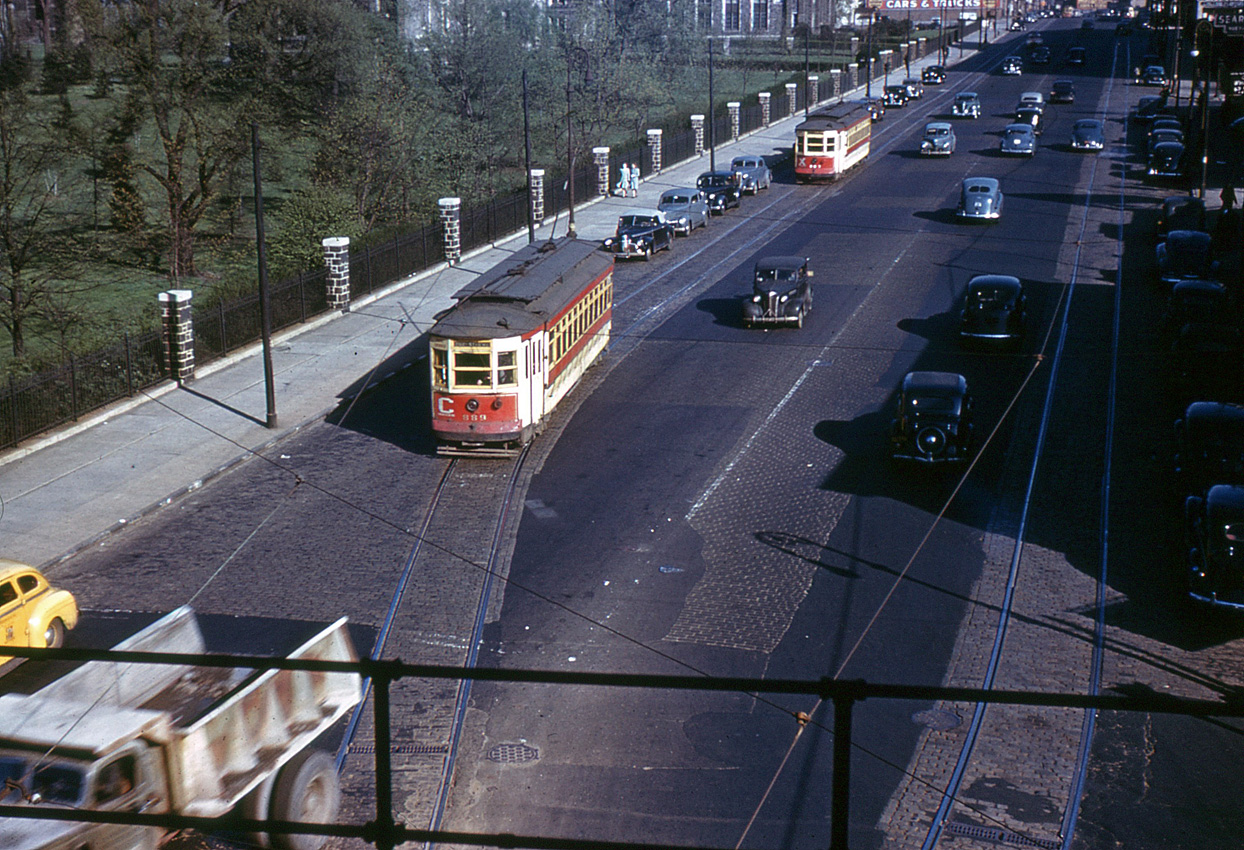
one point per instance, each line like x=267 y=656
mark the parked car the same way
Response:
x=685 y=209
x=934 y=75
x=1017 y=25
x=1150 y=106
x=980 y=198
x=1018 y=140
x=933 y=422
x=1167 y=160
x=1063 y=91
x=994 y=309
x=938 y=140
x=1209 y=446
x=915 y=88
x=967 y=105
x=896 y=96
x=1041 y=55
x=33 y=613
x=1076 y=56
x=1214 y=531
x=1031 y=116
x=1034 y=99
x=1185 y=254
x=781 y=292
x=1012 y=66
x=1088 y=134
x=1158 y=137
x=754 y=173
x=721 y=190
x=1034 y=40
x=1165 y=122
x=1181 y=212
x=1198 y=300
x=641 y=233
x=1153 y=75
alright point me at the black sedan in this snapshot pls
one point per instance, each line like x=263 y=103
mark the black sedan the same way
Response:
x=1063 y=91
x=933 y=423
x=1185 y=254
x=781 y=292
x=1088 y=134
x=994 y=310
x=722 y=189
x=934 y=75
x=1181 y=212
x=896 y=96
x=641 y=233
x=1167 y=160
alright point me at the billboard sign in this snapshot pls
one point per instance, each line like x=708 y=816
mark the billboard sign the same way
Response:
x=1230 y=21
x=935 y=5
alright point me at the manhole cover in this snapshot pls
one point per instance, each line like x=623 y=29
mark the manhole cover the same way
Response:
x=513 y=753
x=937 y=718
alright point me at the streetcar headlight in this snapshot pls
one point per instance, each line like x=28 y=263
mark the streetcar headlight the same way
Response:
x=472 y=405
x=496 y=403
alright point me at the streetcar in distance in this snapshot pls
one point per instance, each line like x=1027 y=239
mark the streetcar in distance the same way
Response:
x=519 y=338
x=831 y=141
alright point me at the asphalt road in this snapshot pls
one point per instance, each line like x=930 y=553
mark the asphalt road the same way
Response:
x=720 y=502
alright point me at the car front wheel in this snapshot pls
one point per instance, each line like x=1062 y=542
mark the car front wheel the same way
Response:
x=54 y=634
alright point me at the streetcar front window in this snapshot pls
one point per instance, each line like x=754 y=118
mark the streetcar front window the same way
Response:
x=507 y=372
x=472 y=368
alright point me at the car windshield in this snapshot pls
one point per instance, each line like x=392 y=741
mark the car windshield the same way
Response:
x=783 y=275
x=978 y=188
x=1062 y=88
x=1017 y=133
x=675 y=200
x=637 y=221
x=58 y=783
x=713 y=181
x=990 y=296
x=932 y=404
x=937 y=131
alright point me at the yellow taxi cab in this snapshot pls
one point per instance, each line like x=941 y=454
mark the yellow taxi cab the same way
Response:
x=32 y=612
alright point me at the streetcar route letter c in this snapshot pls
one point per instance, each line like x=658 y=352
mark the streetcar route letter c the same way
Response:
x=445 y=406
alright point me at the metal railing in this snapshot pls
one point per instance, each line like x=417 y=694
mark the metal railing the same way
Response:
x=386 y=833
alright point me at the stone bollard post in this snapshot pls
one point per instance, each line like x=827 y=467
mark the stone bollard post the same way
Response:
x=792 y=92
x=177 y=331
x=450 y=210
x=835 y=82
x=853 y=76
x=764 y=107
x=697 y=124
x=654 y=148
x=855 y=46
x=601 y=157
x=537 y=195
x=337 y=259
x=922 y=48
x=734 y=106
x=814 y=90
x=884 y=64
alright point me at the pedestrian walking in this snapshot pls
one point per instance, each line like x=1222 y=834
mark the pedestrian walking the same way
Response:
x=624 y=180
x=635 y=180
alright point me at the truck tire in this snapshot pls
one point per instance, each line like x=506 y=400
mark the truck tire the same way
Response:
x=306 y=790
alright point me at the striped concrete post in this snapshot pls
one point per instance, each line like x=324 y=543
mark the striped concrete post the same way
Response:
x=177 y=331
x=734 y=107
x=601 y=157
x=697 y=124
x=654 y=149
x=337 y=260
x=764 y=107
x=450 y=210
x=537 y=195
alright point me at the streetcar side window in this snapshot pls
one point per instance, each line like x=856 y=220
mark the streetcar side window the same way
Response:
x=440 y=367
x=472 y=369
x=507 y=374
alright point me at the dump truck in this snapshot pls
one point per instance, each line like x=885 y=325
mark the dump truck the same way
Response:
x=157 y=738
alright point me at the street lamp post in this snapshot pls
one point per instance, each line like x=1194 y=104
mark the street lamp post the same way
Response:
x=574 y=54
x=868 y=63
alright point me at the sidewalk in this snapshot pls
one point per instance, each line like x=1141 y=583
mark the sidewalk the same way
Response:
x=67 y=490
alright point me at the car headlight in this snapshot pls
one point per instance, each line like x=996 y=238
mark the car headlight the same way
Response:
x=783 y=299
x=755 y=299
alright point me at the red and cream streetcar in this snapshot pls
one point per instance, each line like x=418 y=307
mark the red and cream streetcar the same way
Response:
x=519 y=338
x=831 y=141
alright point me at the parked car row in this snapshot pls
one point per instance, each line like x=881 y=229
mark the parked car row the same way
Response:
x=643 y=232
